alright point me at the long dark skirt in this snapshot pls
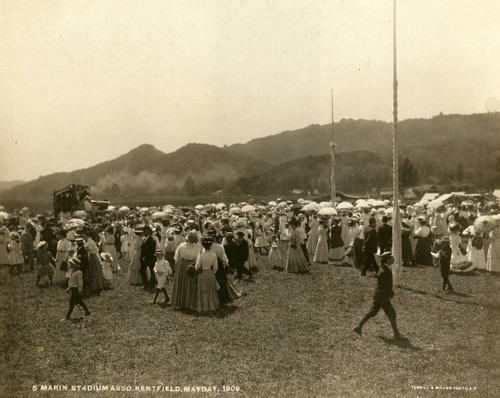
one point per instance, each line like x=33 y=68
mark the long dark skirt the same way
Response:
x=184 y=286
x=221 y=276
x=406 y=249
x=359 y=257
x=423 y=254
x=94 y=274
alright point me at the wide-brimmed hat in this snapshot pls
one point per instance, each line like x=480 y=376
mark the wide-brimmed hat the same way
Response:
x=158 y=252
x=106 y=257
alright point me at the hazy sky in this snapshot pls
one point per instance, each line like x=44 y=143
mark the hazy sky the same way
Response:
x=84 y=81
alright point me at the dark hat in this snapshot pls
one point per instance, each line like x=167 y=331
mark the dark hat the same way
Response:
x=240 y=233
x=207 y=240
x=147 y=228
x=372 y=220
x=229 y=235
x=385 y=219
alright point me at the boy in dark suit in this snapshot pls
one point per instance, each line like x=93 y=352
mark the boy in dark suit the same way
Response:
x=383 y=295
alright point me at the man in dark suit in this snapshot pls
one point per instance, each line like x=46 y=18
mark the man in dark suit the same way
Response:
x=148 y=258
x=385 y=236
x=383 y=295
x=238 y=253
x=370 y=247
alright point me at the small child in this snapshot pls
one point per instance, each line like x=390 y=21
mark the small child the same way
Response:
x=14 y=254
x=44 y=260
x=75 y=285
x=444 y=256
x=274 y=253
x=170 y=251
x=162 y=270
x=107 y=270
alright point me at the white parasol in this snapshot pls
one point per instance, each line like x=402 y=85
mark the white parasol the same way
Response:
x=327 y=211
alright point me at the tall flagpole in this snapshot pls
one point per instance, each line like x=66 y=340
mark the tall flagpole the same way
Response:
x=333 y=192
x=396 y=215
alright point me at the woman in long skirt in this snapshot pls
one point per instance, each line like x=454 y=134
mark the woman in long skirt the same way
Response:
x=475 y=253
x=337 y=250
x=357 y=243
x=321 y=252
x=109 y=246
x=493 y=259
x=4 y=241
x=134 y=275
x=62 y=257
x=423 y=254
x=459 y=260
x=407 y=253
x=206 y=288
x=94 y=275
x=312 y=240
x=184 y=286
x=296 y=261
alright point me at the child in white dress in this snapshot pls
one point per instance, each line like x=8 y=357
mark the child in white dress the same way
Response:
x=107 y=270
x=162 y=270
x=274 y=253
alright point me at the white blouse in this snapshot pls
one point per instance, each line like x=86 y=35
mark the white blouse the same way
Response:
x=206 y=260
x=188 y=251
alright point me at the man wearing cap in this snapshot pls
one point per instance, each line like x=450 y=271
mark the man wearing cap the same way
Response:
x=370 y=247
x=148 y=258
x=383 y=295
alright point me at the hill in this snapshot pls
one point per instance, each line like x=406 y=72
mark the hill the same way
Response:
x=5 y=185
x=356 y=172
x=145 y=170
x=436 y=146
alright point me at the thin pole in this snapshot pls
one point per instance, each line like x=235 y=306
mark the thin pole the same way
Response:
x=396 y=215
x=333 y=192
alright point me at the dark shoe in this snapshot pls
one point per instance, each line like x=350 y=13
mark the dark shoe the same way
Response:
x=357 y=330
x=397 y=337
x=68 y=318
x=153 y=302
x=363 y=274
x=87 y=313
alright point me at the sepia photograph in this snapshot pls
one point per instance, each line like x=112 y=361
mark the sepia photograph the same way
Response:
x=250 y=198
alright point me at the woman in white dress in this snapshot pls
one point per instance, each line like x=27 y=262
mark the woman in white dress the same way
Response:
x=312 y=240
x=458 y=258
x=62 y=256
x=493 y=261
x=475 y=251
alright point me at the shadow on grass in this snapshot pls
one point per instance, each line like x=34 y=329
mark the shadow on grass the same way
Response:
x=448 y=293
x=401 y=343
x=222 y=312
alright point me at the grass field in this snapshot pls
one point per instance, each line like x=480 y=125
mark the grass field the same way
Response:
x=290 y=335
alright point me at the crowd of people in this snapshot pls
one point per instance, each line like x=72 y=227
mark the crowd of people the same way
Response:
x=203 y=251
